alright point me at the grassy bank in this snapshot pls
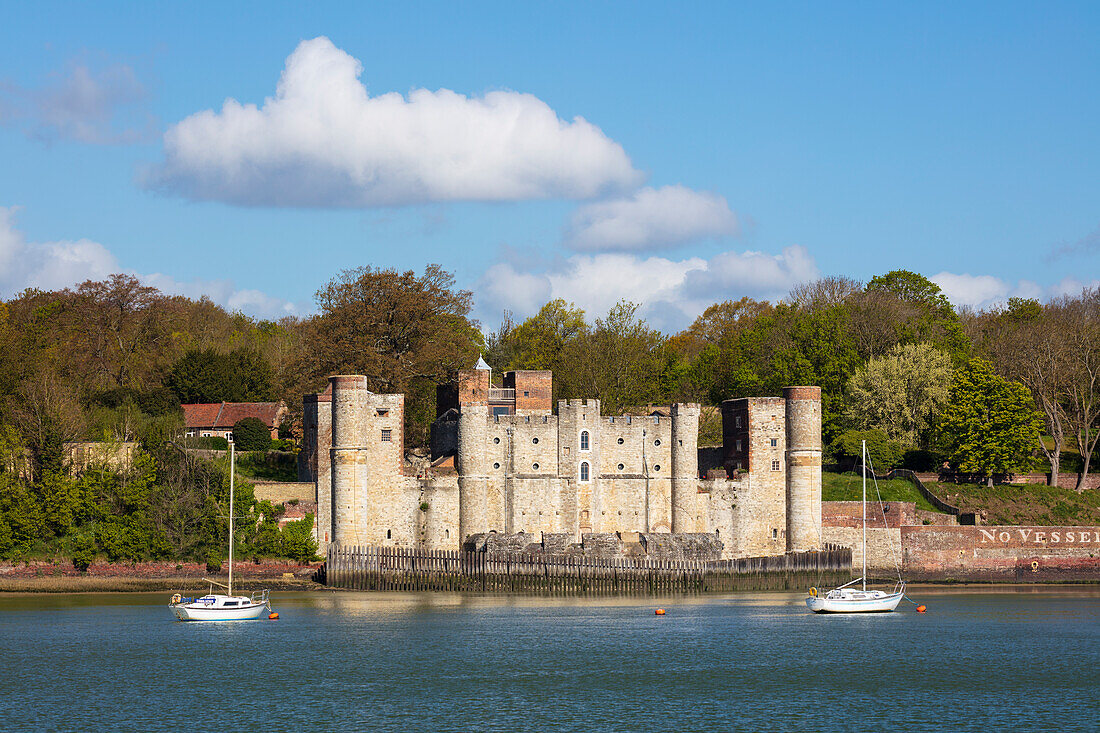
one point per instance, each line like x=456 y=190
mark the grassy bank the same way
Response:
x=849 y=487
x=1023 y=503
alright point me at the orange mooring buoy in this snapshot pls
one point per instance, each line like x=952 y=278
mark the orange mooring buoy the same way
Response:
x=921 y=609
x=273 y=616
x=659 y=612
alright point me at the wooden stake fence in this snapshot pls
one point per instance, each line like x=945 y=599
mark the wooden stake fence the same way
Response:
x=410 y=569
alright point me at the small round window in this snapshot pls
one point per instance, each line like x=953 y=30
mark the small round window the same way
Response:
x=657 y=467
x=535 y=466
x=535 y=441
x=621 y=466
x=496 y=465
x=496 y=440
x=620 y=441
x=657 y=442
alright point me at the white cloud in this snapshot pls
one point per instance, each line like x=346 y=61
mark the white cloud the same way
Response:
x=85 y=104
x=974 y=291
x=671 y=292
x=225 y=293
x=322 y=140
x=47 y=265
x=986 y=291
x=65 y=264
x=650 y=219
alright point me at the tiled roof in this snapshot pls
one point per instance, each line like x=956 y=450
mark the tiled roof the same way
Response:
x=227 y=414
x=201 y=416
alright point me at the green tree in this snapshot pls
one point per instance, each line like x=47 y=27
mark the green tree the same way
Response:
x=906 y=307
x=205 y=375
x=901 y=393
x=882 y=452
x=297 y=540
x=538 y=342
x=250 y=433
x=404 y=332
x=620 y=362
x=990 y=424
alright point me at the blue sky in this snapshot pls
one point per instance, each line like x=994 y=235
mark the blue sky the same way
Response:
x=725 y=149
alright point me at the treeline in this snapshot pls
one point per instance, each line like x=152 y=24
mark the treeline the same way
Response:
x=924 y=384
x=159 y=504
x=986 y=392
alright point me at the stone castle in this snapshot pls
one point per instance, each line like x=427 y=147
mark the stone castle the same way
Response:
x=504 y=462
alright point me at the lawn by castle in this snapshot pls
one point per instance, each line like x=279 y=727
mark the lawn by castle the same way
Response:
x=1009 y=504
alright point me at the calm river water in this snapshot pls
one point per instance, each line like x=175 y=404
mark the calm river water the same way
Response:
x=987 y=660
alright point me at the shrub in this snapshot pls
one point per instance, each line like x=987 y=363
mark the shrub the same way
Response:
x=250 y=433
x=83 y=552
x=210 y=443
x=921 y=460
x=297 y=540
x=213 y=565
x=882 y=452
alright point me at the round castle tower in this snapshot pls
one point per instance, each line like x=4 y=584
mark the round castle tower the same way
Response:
x=473 y=469
x=803 y=408
x=350 y=461
x=685 y=466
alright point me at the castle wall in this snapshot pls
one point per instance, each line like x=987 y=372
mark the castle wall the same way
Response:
x=761 y=506
x=718 y=498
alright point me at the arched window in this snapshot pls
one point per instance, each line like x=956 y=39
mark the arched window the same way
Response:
x=584 y=440
x=584 y=471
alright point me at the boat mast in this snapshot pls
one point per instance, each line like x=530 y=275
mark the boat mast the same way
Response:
x=865 y=518
x=232 y=458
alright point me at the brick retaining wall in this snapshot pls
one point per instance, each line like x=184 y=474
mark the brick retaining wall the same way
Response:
x=1002 y=553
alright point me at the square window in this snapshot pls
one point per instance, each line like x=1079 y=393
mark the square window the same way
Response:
x=775 y=442
x=775 y=465
x=383 y=413
x=386 y=436
x=526 y=393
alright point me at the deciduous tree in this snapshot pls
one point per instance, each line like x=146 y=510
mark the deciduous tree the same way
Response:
x=990 y=423
x=901 y=393
x=403 y=331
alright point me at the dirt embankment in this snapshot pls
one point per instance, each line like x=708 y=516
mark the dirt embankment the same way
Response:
x=62 y=577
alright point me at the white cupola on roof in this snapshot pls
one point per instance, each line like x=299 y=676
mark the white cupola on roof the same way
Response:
x=482 y=365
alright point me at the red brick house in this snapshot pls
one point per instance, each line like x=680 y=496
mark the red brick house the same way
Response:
x=218 y=418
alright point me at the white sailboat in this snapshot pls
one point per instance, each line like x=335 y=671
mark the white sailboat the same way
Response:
x=222 y=606
x=848 y=599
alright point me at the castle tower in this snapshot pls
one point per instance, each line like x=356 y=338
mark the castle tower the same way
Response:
x=803 y=407
x=579 y=440
x=685 y=466
x=349 y=456
x=473 y=472
x=472 y=459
